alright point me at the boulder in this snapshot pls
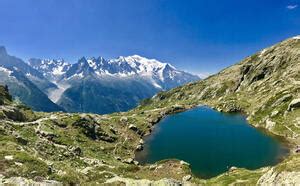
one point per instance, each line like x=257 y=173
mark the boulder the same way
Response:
x=128 y=161
x=124 y=119
x=133 y=127
x=187 y=178
x=184 y=163
x=152 y=167
x=18 y=163
x=231 y=169
x=76 y=150
x=274 y=113
x=48 y=135
x=118 y=158
x=141 y=141
x=139 y=147
x=270 y=124
x=295 y=103
x=8 y=157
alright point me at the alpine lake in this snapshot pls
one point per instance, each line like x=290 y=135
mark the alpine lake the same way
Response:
x=211 y=142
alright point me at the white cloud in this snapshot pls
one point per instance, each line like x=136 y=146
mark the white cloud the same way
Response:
x=291 y=7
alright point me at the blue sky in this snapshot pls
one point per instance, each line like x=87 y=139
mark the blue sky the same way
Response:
x=201 y=36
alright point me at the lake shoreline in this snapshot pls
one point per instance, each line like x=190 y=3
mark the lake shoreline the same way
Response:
x=288 y=144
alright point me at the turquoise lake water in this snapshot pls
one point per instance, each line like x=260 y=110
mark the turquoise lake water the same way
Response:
x=211 y=142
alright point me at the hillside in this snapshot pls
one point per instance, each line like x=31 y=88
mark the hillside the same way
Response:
x=88 y=148
x=265 y=86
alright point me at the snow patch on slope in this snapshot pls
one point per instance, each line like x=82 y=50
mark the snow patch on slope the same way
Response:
x=296 y=37
x=56 y=94
x=262 y=52
x=5 y=70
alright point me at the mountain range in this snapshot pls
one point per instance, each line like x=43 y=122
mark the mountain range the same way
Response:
x=93 y=85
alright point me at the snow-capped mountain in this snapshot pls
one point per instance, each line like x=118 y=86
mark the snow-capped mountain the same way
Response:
x=161 y=75
x=25 y=83
x=51 y=69
x=103 y=86
x=92 y=85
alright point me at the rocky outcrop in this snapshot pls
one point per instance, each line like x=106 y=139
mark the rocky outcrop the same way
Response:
x=26 y=181
x=295 y=103
x=270 y=124
x=282 y=100
x=13 y=114
x=144 y=182
x=283 y=178
x=187 y=178
x=4 y=95
x=93 y=130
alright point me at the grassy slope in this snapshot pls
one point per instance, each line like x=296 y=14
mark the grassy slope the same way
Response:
x=93 y=148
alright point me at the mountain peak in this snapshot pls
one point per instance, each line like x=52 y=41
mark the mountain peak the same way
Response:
x=137 y=56
x=3 y=50
x=82 y=59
